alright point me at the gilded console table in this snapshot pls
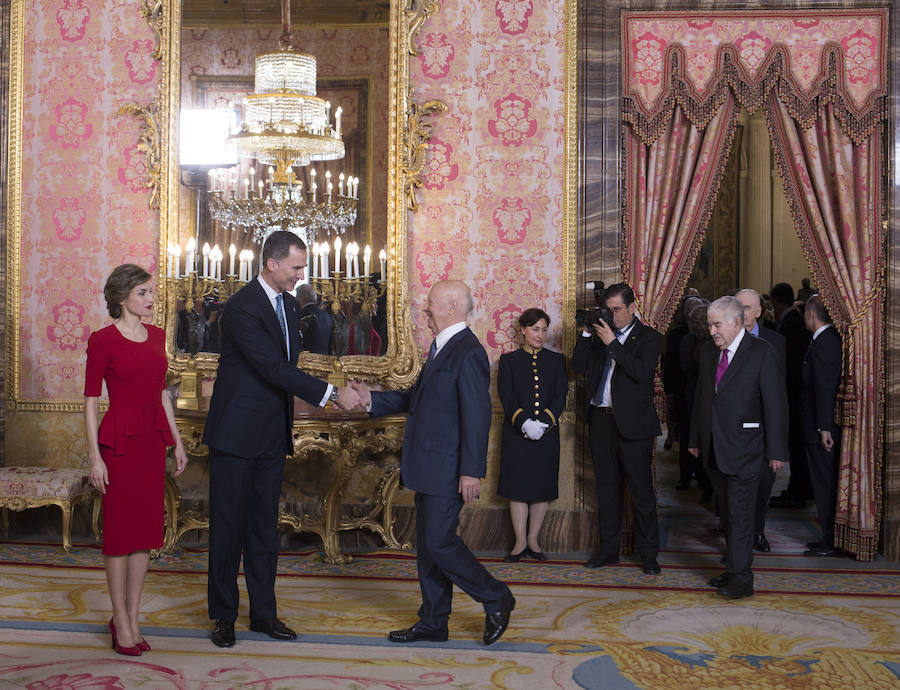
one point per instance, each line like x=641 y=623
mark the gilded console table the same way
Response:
x=340 y=437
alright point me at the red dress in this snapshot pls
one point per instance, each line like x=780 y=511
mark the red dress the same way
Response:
x=133 y=436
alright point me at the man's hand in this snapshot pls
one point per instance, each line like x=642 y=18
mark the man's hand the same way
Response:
x=694 y=452
x=776 y=464
x=604 y=332
x=825 y=440
x=362 y=390
x=347 y=398
x=469 y=487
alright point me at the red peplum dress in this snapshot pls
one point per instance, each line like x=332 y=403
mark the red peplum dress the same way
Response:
x=133 y=436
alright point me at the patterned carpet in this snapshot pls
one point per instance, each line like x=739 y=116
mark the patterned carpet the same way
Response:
x=834 y=627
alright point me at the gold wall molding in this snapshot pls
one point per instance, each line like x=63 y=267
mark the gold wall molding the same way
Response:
x=417 y=12
x=415 y=138
x=148 y=144
x=154 y=12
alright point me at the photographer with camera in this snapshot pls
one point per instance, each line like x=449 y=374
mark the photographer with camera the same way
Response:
x=620 y=355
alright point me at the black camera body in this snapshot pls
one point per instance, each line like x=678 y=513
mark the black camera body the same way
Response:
x=588 y=317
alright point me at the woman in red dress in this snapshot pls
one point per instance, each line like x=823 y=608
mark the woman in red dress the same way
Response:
x=128 y=450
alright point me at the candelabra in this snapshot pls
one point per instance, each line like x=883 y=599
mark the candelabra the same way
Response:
x=337 y=288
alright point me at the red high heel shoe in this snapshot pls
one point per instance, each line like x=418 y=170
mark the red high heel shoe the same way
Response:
x=127 y=651
x=143 y=645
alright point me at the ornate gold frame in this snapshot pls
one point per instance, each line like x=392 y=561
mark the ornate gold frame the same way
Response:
x=408 y=133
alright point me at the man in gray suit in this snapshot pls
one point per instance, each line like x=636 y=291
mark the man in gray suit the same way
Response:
x=444 y=459
x=739 y=426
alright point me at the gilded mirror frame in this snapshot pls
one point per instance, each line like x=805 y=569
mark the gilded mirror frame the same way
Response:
x=408 y=134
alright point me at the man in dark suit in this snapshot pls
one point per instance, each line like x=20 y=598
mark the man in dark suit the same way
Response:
x=620 y=358
x=738 y=425
x=444 y=458
x=752 y=302
x=820 y=379
x=796 y=340
x=248 y=431
x=316 y=323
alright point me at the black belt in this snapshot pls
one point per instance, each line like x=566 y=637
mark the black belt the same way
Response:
x=606 y=410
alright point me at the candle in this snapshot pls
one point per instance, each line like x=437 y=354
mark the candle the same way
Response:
x=290 y=175
x=189 y=257
x=231 y=252
x=325 y=250
x=315 y=261
x=327 y=112
x=341 y=184
x=367 y=255
x=260 y=189
x=355 y=260
x=337 y=121
x=312 y=191
x=176 y=250
x=205 y=260
x=382 y=257
x=249 y=265
x=246 y=187
x=328 y=192
x=243 y=268
x=337 y=254
x=348 y=255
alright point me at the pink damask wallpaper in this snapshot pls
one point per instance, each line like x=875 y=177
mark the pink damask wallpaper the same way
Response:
x=491 y=209
x=84 y=206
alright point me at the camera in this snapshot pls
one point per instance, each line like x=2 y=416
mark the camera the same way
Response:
x=585 y=318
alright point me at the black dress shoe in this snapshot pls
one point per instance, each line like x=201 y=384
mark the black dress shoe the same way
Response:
x=223 y=634
x=787 y=502
x=416 y=633
x=495 y=623
x=515 y=557
x=651 y=567
x=760 y=543
x=822 y=550
x=814 y=545
x=719 y=580
x=274 y=628
x=536 y=555
x=682 y=486
x=733 y=590
x=600 y=561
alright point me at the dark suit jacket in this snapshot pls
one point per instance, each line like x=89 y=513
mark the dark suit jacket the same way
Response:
x=776 y=340
x=449 y=419
x=820 y=377
x=796 y=340
x=632 y=380
x=252 y=405
x=751 y=392
x=317 y=332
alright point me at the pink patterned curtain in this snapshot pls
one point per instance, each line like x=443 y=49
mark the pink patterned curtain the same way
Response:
x=670 y=190
x=834 y=188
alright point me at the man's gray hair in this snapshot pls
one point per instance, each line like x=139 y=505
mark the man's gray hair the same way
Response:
x=729 y=307
x=306 y=294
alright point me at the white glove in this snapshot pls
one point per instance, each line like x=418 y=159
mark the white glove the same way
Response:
x=533 y=429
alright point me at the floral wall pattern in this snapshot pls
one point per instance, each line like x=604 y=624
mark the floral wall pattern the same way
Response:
x=84 y=202
x=491 y=209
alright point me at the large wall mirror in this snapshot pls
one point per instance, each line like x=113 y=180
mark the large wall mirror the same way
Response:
x=230 y=182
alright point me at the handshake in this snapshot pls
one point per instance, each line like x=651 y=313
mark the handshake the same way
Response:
x=355 y=397
x=533 y=429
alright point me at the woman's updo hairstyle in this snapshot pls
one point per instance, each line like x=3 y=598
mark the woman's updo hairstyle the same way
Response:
x=119 y=285
x=532 y=316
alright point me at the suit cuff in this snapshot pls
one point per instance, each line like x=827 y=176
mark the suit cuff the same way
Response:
x=551 y=415
x=324 y=400
x=514 y=415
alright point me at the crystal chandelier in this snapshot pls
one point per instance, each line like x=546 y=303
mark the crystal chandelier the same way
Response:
x=286 y=124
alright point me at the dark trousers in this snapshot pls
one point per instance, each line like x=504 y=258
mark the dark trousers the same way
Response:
x=444 y=560
x=766 y=480
x=243 y=519
x=615 y=457
x=737 y=505
x=799 y=483
x=823 y=468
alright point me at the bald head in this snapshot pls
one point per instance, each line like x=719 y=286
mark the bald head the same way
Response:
x=449 y=302
x=752 y=303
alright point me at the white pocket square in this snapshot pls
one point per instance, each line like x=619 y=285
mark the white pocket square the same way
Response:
x=751 y=425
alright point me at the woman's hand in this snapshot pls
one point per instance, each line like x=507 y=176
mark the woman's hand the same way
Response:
x=181 y=459
x=99 y=475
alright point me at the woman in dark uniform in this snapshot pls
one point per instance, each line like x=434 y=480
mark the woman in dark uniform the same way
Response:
x=532 y=383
